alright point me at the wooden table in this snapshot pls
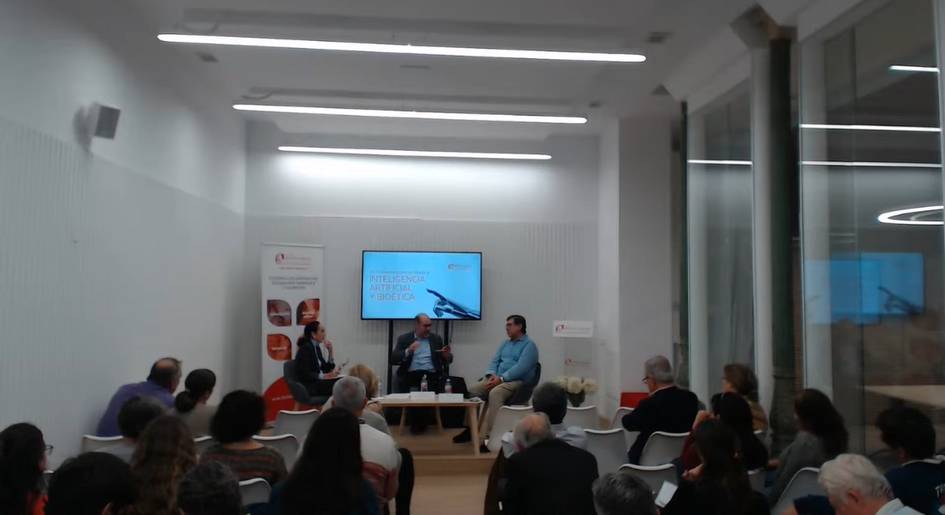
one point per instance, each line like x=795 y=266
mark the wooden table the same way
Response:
x=927 y=394
x=472 y=413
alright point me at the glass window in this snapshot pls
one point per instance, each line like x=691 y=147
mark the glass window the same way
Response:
x=721 y=306
x=872 y=278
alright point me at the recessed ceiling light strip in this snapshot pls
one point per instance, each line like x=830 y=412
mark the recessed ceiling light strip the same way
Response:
x=908 y=68
x=890 y=128
x=416 y=153
x=422 y=115
x=382 y=48
x=870 y=164
x=892 y=217
x=727 y=162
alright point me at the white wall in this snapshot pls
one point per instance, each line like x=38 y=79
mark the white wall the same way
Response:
x=534 y=223
x=114 y=257
x=608 y=269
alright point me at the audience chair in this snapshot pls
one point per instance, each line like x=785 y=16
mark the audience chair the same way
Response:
x=297 y=389
x=757 y=479
x=653 y=476
x=628 y=436
x=802 y=484
x=296 y=423
x=608 y=446
x=255 y=491
x=584 y=417
x=202 y=443
x=662 y=448
x=286 y=445
x=91 y=443
x=505 y=421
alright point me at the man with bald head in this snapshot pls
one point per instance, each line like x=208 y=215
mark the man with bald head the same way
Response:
x=420 y=353
x=547 y=475
x=160 y=385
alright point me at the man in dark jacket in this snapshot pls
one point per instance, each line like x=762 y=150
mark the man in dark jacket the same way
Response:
x=668 y=408
x=548 y=476
x=420 y=353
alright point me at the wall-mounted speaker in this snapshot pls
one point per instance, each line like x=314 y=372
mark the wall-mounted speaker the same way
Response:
x=104 y=121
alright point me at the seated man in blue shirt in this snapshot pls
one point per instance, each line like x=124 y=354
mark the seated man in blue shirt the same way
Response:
x=161 y=383
x=513 y=365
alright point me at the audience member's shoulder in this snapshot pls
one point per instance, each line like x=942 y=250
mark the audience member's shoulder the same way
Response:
x=375 y=434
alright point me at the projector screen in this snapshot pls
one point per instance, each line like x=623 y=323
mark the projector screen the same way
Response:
x=398 y=285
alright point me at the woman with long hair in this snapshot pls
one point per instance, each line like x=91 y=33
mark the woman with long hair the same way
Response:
x=721 y=486
x=733 y=411
x=327 y=478
x=164 y=454
x=822 y=436
x=315 y=360
x=22 y=462
x=741 y=379
x=191 y=404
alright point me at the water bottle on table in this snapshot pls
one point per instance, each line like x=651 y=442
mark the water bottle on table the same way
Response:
x=423 y=384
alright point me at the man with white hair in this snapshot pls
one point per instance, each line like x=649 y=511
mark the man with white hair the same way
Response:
x=668 y=408
x=548 y=476
x=378 y=450
x=855 y=487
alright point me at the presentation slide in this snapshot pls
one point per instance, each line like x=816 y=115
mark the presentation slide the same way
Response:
x=398 y=285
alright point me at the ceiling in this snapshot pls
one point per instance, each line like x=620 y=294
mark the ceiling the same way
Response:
x=441 y=83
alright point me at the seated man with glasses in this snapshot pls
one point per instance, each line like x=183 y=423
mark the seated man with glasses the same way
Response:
x=421 y=353
x=668 y=408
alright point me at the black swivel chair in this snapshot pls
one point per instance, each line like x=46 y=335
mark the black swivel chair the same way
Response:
x=524 y=394
x=299 y=392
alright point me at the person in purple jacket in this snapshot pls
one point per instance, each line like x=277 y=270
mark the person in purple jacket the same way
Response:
x=512 y=366
x=160 y=385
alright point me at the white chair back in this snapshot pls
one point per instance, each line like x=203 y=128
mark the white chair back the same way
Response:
x=618 y=416
x=202 y=443
x=255 y=491
x=662 y=448
x=584 y=417
x=607 y=445
x=92 y=443
x=505 y=421
x=757 y=479
x=286 y=445
x=803 y=483
x=653 y=476
x=296 y=423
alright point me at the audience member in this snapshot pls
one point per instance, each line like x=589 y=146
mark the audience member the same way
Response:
x=919 y=480
x=134 y=416
x=164 y=454
x=855 y=487
x=161 y=383
x=740 y=379
x=821 y=436
x=720 y=485
x=22 y=462
x=240 y=415
x=328 y=478
x=732 y=410
x=379 y=452
x=548 y=476
x=191 y=404
x=668 y=408
x=210 y=489
x=373 y=412
x=93 y=483
x=552 y=400
x=622 y=493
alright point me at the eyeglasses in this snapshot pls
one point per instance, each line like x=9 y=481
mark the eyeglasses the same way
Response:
x=645 y=379
x=428 y=325
x=49 y=450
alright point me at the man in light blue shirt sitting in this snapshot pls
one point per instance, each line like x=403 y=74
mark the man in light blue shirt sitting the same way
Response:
x=513 y=365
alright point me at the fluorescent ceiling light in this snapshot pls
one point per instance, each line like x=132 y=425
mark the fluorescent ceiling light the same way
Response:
x=416 y=153
x=719 y=162
x=906 y=68
x=423 y=115
x=382 y=48
x=870 y=164
x=891 y=128
x=892 y=217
